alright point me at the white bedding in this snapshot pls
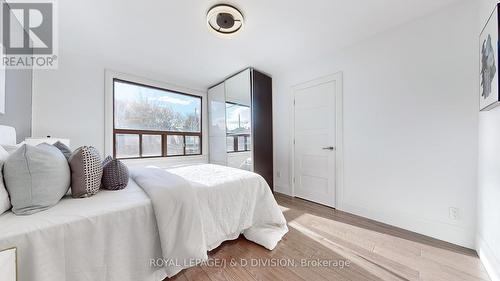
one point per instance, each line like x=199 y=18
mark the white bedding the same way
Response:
x=114 y=235
x=211 y=204
x=110 y=236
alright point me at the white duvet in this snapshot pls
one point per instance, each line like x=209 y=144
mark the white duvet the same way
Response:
x=199 y=207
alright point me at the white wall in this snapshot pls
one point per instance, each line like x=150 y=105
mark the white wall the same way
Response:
x=410 y=119
x=18 y=102
x=70 y=102
x=17 y=98
x=410 y=124
x=488 y=226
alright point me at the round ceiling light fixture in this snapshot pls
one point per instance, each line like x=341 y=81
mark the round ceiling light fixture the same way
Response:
x=224 y=19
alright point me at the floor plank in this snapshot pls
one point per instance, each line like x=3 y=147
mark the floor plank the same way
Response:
x=375 y=251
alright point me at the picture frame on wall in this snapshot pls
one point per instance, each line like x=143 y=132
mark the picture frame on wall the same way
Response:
x=488 y=89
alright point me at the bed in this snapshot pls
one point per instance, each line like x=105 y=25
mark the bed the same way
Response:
x=212 y=204
x=117 y=235
x=109 y=236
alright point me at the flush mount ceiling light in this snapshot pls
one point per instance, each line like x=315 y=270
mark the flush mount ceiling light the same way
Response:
x=224 y=20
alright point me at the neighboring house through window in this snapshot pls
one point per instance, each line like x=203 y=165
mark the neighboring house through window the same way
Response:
x=238 y=120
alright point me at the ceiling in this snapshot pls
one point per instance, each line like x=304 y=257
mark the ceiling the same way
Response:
x=171 y=37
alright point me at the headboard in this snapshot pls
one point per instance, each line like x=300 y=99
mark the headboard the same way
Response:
x=7 y=135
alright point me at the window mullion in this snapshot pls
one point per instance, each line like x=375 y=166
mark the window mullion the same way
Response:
x=140 y=145
x=164 y=144
x=184 y=146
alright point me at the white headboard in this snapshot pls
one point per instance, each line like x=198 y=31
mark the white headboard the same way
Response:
x=7 y=135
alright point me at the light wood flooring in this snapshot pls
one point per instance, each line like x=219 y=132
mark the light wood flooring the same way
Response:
x=374 y=250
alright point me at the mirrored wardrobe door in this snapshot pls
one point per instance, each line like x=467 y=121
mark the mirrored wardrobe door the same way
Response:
x=217 y=124
x=239 y=121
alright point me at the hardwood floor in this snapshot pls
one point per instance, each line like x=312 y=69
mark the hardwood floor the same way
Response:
x=374 y=251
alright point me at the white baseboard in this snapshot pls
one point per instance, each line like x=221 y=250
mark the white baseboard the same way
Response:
x=447 y=232
x=440 y=230
x=490 y=262
x=282 y=189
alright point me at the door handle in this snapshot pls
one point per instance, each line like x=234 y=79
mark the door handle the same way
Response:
x=329 y=148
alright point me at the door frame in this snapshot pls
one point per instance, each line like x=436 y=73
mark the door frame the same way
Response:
x=339 y=128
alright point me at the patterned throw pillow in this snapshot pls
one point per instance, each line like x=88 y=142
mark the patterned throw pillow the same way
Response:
x=86 y=172
x=115 y=175
x=64 y=149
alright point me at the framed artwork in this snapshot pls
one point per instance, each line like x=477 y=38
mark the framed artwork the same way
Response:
x=488 y=89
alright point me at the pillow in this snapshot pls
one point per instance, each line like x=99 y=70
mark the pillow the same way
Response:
x=115 y=174
x=10 y=148
x=4 y=196
x=37 y=177
x=64 y=149
x=86 y=172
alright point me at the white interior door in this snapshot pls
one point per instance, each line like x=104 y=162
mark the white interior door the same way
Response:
x=315 y=141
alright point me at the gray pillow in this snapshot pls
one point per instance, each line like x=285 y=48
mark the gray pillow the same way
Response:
x=64 y=149
x=36 y=178
x=4 y=196
x=115 y=174
x=86 y=172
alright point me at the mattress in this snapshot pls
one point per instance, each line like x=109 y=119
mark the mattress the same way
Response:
x=110 y=236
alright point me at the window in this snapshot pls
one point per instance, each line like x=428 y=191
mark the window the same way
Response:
x=238 y=120
x=154 y=122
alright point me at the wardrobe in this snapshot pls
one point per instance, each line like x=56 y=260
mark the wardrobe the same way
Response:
x=241 y=123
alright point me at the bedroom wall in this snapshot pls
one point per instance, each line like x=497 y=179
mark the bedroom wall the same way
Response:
x=488 y=227
x=69 y=102
x=18 y=100
x=410 y=124
x=410 y=119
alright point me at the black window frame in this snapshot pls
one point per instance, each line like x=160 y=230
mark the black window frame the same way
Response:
x=164 y=134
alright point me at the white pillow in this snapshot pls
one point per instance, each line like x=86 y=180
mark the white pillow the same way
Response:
x=11 y=148
x=4 y=196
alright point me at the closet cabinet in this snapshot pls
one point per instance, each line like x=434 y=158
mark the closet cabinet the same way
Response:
x=241 y=123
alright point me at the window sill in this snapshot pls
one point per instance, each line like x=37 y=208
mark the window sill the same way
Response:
x=167 y=162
